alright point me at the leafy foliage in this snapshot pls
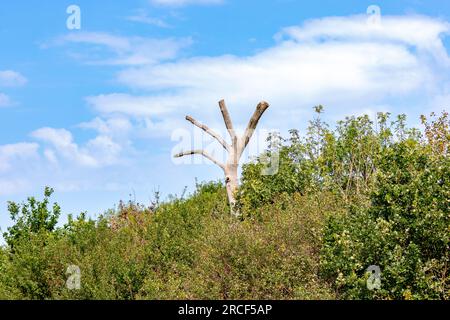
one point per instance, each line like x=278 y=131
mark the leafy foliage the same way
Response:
x=272 y=257
x=405 y=230
x=31 y=218
x=366 y=192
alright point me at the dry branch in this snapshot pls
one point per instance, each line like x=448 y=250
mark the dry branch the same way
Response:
x=260 y=109
x=235 y=150
x=203 y=153
x=209 y=131
x=227 y=119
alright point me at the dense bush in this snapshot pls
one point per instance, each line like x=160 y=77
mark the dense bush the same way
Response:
x=184 y=249
x=119 y=254
x=405 y=230
x=396 y=189
x=31 y=217
x=364 y=193
x=273 y=257
x=342 y=161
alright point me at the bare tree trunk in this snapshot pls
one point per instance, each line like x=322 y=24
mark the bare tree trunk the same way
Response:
x=235 y=150
x=232 y=185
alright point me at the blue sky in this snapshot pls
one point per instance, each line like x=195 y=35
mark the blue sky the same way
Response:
x=97 y=113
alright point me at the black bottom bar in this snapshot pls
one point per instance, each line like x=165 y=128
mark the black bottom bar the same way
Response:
x=224 y=309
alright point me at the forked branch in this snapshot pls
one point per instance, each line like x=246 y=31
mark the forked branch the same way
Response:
x=227 y=120
x=235 y=149
x=203 y=153
x=260 y=109
x=210 y=132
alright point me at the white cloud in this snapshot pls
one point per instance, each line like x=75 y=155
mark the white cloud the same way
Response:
x=422 y=32
x=9 y=78
x=114 y=126
x=104 y=150
x=324 y=61
x=179 y=3
x=123 y=129
x=341 y=62
x=415 y=30
x=289 y=68
x=439 y=102
x=143 y=17
x=13 y=186
x=132 y=105
x=62 y=141
x=16 y=152
x=5 y=101
x=126 y=50
x=50 y=156
x=98 y=152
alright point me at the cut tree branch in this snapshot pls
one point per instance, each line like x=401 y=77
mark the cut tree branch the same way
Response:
x=203 y=153
x=227 y=119
x=260 y=109
x=209 y=131
x=235 y=149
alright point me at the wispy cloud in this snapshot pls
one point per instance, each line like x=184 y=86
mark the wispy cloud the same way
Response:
x=9 y=78
x=13 y=186
x=179 y=3
x=111 y=127
x=340 y=62
x=143 y=17
x=5 y=101
x=121 y=50
x=16 y=152
x=142 y=116
x=121 y=103
x=98 y=152
x=424 y=33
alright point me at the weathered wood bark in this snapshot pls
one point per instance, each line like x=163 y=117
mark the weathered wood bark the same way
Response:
x=235 y=150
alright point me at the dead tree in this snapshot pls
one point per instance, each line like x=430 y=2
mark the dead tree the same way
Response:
x=235 y=150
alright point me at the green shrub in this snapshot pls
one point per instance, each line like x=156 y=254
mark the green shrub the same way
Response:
x=274 y=256
x=342 y=161
x=362 y=194
x=7 y=289
x=405 y=230
x=31 y=217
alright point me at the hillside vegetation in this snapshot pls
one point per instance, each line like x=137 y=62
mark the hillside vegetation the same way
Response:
x=345 y=198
